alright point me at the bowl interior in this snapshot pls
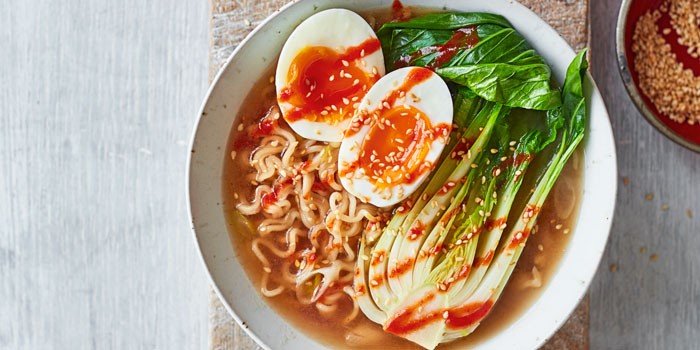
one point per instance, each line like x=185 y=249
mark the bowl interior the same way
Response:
x=248 y=63
x=635 y=9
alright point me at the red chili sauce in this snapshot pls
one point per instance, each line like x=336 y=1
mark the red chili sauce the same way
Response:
x=463 y=38
x=394 y=149
x=325 y=85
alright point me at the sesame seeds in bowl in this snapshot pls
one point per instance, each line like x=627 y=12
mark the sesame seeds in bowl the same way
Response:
x=658 y=45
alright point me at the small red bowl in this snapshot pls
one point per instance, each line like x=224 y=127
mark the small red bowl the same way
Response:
x=630 y=12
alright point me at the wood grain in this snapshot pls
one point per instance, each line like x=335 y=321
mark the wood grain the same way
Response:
x=651 y=299
x=97 y=104
x=233 y=20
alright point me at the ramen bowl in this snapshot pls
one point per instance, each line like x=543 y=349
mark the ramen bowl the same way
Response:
x=251 y=60
x=683 y=134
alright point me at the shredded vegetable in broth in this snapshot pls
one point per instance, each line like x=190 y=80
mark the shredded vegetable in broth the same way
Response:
x=356 y=275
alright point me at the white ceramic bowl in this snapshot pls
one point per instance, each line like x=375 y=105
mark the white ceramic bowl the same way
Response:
x=246 y=65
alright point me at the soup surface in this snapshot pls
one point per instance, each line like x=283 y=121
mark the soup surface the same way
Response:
x=536 y=266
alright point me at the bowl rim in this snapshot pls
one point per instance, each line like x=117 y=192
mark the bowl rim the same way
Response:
x=586 y=274
x=202 y=109
x=631 y=87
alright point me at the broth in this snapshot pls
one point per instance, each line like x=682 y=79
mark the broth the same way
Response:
x=541 y=255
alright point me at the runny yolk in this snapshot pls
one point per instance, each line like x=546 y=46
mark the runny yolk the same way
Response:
x=325 y=85
x=396 y=146
x=399 y=138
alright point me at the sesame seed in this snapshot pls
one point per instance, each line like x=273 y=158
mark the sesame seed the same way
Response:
x=446 y=315
x=494 y=151
x=267 y=269
x=240 y=127
x=331 y=78
x=671 y=86
x=345 y=63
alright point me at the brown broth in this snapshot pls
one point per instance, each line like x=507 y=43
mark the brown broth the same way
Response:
x=560 y=209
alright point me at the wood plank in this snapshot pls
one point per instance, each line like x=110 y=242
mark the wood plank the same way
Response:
x=232 y=20
x=651 y=299
x=97 y=104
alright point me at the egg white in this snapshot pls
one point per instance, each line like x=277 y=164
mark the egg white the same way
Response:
x=337 y=29
x=434 y=100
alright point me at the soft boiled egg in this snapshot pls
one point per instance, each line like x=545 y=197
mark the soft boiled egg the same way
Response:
x=326 y=66
x=396 y=136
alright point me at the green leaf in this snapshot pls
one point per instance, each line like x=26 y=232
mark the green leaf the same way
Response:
x=450 y=21
x=574 y=103
x=413 y=40
x=506 y=45
x=513 y=85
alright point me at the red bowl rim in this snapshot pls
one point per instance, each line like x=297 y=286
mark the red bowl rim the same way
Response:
x=633 y=91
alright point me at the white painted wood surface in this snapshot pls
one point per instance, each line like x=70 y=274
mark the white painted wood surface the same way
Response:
x=97 y=103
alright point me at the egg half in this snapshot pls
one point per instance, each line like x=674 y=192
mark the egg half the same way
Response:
x=327 y=65
x=396 y=136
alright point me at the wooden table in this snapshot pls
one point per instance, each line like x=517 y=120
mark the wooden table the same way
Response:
x=97 y=102
x=647 y=291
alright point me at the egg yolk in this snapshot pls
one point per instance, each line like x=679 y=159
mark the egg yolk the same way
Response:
x=327 y=86
x=396 y=146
